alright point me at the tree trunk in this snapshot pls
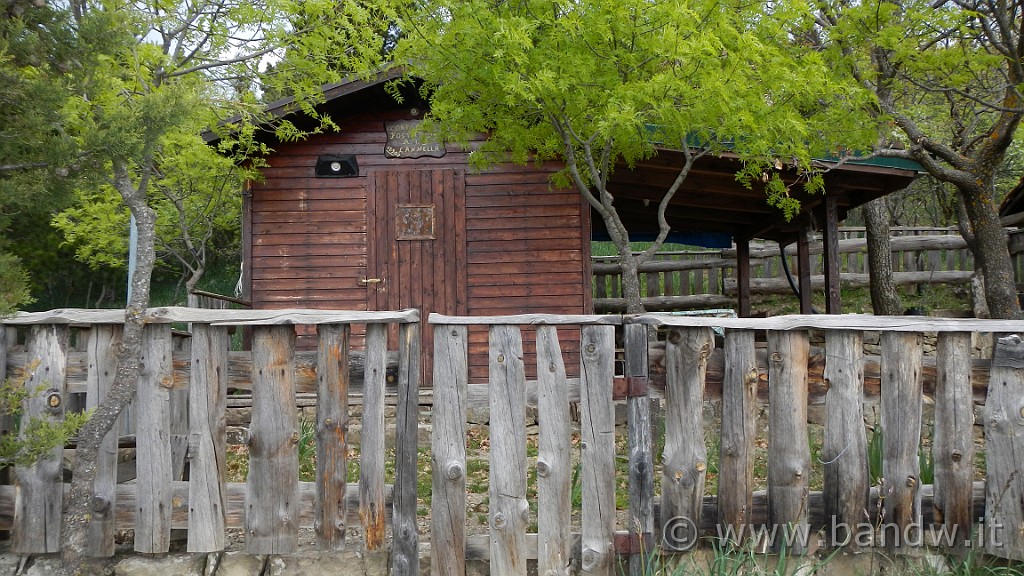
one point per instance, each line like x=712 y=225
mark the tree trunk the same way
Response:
x=76 y=520
x=884 y=298
x=631 y=282
x=991 y=252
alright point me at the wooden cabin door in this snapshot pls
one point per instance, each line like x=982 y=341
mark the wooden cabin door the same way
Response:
x=416 y=238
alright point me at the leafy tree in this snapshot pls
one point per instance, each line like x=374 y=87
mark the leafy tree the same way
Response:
x=947 y=79
x=196 y=198
x=35 y=154
x=139 y=81
x=607 y=81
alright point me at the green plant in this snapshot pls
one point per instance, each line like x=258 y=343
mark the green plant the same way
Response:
x=875 y=455
x=926 y=461
x=307 y=450
x=34 y=438
x=973 y=562
x=577 y=486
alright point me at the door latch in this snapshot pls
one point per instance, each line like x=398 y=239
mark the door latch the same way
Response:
x=368 y=281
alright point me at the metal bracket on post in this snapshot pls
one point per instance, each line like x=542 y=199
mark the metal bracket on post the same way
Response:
x=632 y=543
x=624 y=387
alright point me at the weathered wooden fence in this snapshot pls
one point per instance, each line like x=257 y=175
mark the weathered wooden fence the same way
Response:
x=618 y=512
x=898 y=512
x=706 y=278
x=273 y=504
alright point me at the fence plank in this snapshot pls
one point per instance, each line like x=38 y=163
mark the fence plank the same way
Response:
x=7 y=339
x=844 y=451
x=901 y=401
x=739 y=430
x=271 y=520
x=640 y=445
x=38 y=498
x=789 y=458
x=554 y=465
x=598 y=449
x=953 y=449
x=509 y=510
x=371 y=449
x=207 y=402
x=1004 y=439
x=102 y=364
x=405 y=534
x=179 y=415
x=448 y=444
x=331 y=435
x=685 y=460
x=153 y=441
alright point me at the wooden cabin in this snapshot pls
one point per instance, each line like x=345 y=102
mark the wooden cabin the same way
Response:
x=378 y=216
x=373 y=217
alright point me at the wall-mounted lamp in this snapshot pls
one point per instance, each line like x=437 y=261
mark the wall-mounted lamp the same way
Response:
x=331 y=166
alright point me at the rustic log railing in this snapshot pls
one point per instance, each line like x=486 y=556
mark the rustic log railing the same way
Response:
x=899 y=512
x=273 y=504
x=707 y=278
x=772 y=355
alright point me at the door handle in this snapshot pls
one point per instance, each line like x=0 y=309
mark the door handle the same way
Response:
x=368 y=281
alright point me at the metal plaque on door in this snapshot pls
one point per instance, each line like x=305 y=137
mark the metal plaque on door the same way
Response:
x=415 y=221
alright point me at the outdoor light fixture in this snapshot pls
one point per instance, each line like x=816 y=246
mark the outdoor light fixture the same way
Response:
x=330 y=166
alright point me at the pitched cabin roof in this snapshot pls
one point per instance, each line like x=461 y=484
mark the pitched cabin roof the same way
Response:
x=710 y=209
x=1013 y=204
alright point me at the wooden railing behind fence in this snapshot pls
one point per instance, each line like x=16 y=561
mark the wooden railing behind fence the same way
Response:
x=707 y=278
x=273 y=504
x=898 y=513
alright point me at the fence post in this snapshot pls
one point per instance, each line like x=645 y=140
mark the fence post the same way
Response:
x=554 y=487
x=39 y=495
x=685 y=462
x=331 y=435
x=640 y=446
x=844 y=451
x=272 y=488
x=1004 y=438
x=789 y=458
x=207 y=404
x=509 y=510
x=371 y=442
x=6 y=422
x=153 y=441
x=597 y=439
x=102 y=364
x=405 y=535
x=901 y=399
x=739 y=431
x=448 y=446
x=953 y=448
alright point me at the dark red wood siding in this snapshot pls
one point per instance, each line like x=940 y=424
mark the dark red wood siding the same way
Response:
x=526 y=244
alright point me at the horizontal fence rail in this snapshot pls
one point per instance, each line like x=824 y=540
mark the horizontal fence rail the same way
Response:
x=180 y=410
x=707 y=278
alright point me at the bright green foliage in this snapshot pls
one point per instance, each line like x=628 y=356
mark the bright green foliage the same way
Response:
x=36 y=438
x=13 y=284
x=603 y=81
x=946 y=77
x=102 y=96
x=196 y=196
x=629 y=75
